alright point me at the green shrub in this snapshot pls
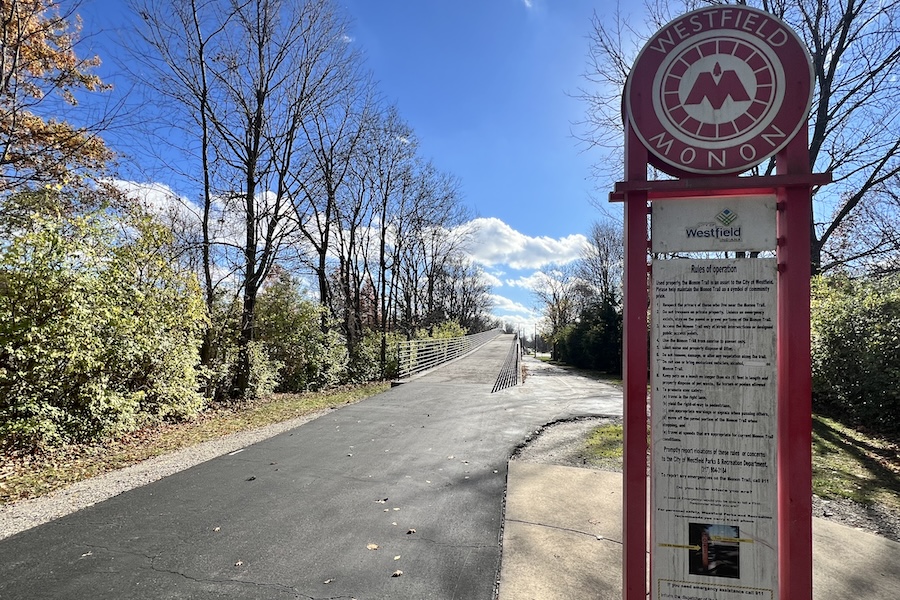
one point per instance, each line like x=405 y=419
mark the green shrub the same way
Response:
x=366 y=365
x=290 y=325
x=217 y=375
x=392 y=359
x=856 y=350
x=264 y=372
x=99 y=329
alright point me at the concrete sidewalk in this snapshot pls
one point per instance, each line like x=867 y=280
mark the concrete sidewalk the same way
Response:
x=563 y=540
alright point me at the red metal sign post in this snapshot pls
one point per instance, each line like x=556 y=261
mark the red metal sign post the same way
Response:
x=635 y=374
x=795 y=378
x=712 y=94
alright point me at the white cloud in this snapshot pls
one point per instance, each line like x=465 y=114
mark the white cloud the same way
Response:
x=493 y=242
x=226 y=221
x=505 y=305
x=491 y=279
x=515 y=314
x=529 y=282
x=160 y=199
x=528 y=3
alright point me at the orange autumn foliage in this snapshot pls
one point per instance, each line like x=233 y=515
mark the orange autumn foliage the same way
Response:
x=37 y=62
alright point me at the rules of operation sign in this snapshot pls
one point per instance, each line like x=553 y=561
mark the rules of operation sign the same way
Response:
x=713 y=411
x=719 y=90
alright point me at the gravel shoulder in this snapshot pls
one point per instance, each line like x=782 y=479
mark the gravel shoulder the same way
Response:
x=562 y=443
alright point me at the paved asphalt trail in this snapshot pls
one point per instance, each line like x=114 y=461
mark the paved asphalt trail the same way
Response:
x=281 y=518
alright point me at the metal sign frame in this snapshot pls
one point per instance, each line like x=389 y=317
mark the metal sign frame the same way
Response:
x=792 y=185
x=696 y=78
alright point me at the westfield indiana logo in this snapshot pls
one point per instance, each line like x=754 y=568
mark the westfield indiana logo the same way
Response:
x=728 y=233
x=717 y=87
x=727 y=216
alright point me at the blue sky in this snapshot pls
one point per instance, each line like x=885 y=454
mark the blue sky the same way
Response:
x=484 y=83
x=486 y=86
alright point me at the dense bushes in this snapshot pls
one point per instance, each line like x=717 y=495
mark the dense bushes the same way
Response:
x=856 y=350
x=594 y=341
x=99 y=328
x=290 y=328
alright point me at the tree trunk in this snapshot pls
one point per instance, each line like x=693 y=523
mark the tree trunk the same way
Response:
x=246 y=336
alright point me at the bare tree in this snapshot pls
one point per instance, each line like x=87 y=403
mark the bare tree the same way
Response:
x=182 y=37
x=390 y=153
x=854 y=124
x=249 y=75
x=870 y=234
x=557 y=293
x=426 y=238
x=332 y=136
x=603 y=260
x=353 y=220
x=464 y=294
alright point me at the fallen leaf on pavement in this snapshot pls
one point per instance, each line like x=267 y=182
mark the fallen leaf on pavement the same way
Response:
x=327 y=581
x=410 y=531
x=397 y=573
x=372 y=546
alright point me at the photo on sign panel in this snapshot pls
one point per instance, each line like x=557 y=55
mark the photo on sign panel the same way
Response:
x=715 y=550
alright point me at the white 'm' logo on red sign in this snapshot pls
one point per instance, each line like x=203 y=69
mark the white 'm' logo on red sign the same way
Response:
x=716 y=87
x=708 y=94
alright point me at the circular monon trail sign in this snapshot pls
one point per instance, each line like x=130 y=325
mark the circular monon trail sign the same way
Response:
x=718 y=91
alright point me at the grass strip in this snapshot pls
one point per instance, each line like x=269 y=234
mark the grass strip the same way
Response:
x=605 y=442
x=850 y=464
x=846 y=463
x=24 y=477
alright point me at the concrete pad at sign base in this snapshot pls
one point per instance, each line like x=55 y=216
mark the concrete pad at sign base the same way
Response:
x=551 y=550
x=848 y=563
x=562 y=537
x=567 y=498
x=553 y=564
